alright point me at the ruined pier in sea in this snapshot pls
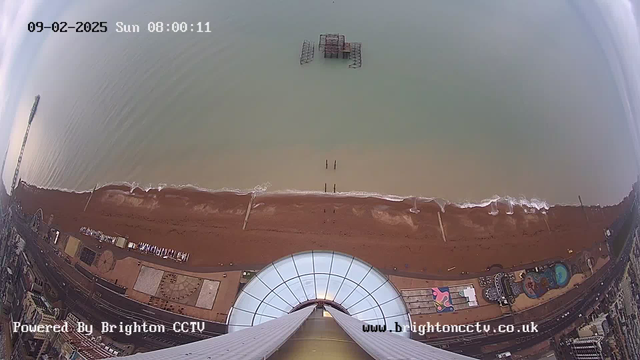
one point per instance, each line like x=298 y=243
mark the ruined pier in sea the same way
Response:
x=308 y=52
x=333 y=46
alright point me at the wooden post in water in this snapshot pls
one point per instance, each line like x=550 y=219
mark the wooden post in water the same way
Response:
x=325 y=187
x=583 y=211
x=334 y=187
x=326 y=164
x=414 y=209
x=89 y=199
x=335 y=164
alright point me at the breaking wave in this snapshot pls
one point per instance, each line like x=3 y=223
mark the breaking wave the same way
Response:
x=510 y=201
x=530 y=205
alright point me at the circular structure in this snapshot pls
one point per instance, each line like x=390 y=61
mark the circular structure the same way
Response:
x=178 y=287
x=562 y=274
x=105 y=261
x=534 y=285
x=490 y=294
x=344 y=282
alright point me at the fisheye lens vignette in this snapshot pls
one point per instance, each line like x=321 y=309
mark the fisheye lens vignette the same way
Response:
x=341 y=179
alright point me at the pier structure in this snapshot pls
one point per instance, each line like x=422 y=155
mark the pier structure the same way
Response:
x=24 y=143
x=355 y=55
x=333 y=46
x=308 y=52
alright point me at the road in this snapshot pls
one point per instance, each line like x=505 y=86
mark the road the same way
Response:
x=97 y=303
x=585 y=298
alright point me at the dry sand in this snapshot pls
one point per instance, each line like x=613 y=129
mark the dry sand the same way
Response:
x=381 y=232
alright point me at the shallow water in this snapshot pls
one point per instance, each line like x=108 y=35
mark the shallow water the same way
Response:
x=457 y=101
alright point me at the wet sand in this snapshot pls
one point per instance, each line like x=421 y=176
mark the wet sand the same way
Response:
x=381 y=232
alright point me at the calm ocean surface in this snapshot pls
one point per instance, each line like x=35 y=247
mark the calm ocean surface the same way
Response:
x=458 y=100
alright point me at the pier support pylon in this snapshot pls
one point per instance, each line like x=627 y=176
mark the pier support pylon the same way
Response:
x=356 y=55
x=307 y=53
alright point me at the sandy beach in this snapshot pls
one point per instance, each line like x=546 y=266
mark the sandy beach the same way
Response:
x=384 y=233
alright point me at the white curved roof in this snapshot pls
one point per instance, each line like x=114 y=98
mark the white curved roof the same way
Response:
x=356 y=286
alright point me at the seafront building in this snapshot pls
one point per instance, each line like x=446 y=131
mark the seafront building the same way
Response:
x=74 y=345
x=37 y=311
x=612 y=331
x=587 y=348
x=598 y=327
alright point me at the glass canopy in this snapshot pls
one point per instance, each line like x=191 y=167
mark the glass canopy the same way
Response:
x=281 y=287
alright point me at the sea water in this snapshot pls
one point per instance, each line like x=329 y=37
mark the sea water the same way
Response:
x=462 y=101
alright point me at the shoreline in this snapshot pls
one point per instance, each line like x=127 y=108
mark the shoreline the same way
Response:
x=381 y=232
x=261 y=190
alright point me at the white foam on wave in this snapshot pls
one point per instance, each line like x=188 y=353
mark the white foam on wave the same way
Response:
x=161 y=186
x=355 y=194
x=530 y=205
x=53 y=188
x=134 y=185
